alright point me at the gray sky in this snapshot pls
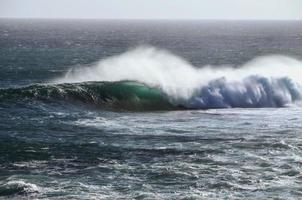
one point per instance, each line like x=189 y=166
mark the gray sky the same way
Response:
x=153 y=9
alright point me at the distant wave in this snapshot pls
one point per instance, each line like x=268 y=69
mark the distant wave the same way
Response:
x=272 y=81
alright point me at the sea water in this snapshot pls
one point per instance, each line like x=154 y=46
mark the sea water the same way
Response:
x=93 y=109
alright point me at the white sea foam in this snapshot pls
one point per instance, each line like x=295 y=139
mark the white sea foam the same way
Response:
x=269 y=81
x=20 y=186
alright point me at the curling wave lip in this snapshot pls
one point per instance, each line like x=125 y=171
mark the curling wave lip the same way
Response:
x=271 y=81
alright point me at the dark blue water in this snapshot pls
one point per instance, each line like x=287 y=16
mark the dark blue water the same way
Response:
x=124 y=140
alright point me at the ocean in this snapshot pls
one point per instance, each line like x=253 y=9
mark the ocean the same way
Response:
x=145 y=109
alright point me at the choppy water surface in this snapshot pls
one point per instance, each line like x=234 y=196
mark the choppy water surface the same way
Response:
x=80 y=121
x=80 y=154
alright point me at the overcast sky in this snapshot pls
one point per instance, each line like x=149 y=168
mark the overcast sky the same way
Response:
x=153 y=9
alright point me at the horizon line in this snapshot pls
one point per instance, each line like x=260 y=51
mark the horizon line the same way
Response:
x=147 y=19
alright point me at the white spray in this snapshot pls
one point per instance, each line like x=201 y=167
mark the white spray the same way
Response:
x=183 y=82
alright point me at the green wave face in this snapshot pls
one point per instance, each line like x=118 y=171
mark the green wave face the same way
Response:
x=125 y=95
x=132 y=96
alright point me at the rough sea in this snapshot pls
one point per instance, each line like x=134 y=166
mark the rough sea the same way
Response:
x=93 y=109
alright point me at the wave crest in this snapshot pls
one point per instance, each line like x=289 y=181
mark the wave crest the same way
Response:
x=251 y=92
x=17 y=187
x=271 y=81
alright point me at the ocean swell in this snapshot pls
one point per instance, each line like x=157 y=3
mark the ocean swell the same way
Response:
x=121 y=95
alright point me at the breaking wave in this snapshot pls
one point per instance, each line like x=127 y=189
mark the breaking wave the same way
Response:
x=272 y=81
x=150 y=79
x=18 y=187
